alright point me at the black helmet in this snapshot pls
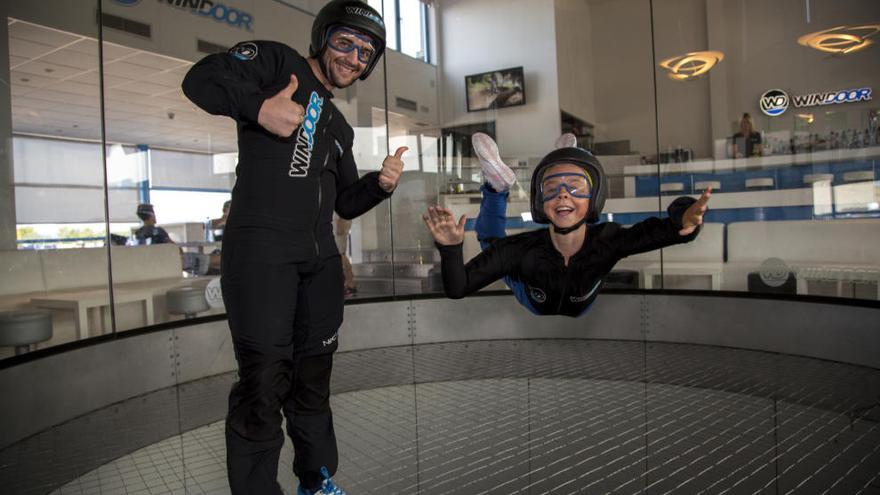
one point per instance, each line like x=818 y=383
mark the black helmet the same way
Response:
x=576 y=156
x=351 y=13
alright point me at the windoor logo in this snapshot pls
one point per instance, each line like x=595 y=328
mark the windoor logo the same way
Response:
x=305 y=138
x=774 y=102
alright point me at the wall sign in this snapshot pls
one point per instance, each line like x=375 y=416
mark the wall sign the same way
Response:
x=211 y=9
x=774 y=102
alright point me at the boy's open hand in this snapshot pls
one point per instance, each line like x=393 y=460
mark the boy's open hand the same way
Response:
x=443 y=227
x=693 y=216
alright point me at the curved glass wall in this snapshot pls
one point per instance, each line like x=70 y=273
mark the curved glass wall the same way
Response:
x=95 y=133
x=96 y=126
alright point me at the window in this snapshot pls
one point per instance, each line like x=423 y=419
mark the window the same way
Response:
x=406 y=25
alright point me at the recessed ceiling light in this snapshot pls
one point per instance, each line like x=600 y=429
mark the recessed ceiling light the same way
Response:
x=691 y=65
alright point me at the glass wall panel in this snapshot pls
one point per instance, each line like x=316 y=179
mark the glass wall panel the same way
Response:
x=779 y=120
x=53 y=225
x=113 y=174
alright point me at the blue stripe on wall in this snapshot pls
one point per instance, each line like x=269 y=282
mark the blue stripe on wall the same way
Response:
x=725 y=216
x=784 y=178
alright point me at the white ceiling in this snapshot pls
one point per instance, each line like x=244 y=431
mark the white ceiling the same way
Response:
x=55 y=92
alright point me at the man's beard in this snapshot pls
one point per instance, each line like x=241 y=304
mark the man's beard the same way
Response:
x=331 y=76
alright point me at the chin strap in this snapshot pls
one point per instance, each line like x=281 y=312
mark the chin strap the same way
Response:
x=568 y=230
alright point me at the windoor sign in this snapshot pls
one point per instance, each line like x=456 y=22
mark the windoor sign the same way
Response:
x=774 y=102
x=212 y=9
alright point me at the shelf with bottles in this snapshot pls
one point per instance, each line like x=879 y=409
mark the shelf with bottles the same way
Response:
x=790 y=143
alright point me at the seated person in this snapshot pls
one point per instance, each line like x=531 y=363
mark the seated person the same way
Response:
x=557 y=270
x=149 y=233
x=746 y=142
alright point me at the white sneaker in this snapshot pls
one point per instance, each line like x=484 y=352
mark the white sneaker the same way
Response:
x=567 y=140
x=495 y=172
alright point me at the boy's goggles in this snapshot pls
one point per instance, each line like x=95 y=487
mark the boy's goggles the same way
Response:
x=577 y=185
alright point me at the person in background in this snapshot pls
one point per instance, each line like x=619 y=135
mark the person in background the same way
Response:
x=747 y=142
x=149 y=233
x=343 y=227
x=218 y=224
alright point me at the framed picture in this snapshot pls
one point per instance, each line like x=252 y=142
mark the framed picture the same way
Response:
x=495 y=89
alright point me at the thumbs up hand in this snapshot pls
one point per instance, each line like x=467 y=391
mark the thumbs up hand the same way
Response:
x=279 y=114
x=392 y=167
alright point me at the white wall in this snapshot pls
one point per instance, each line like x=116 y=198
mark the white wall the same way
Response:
x=683 y=107
x=574 y=58
x=479 y=36
x=624 y=85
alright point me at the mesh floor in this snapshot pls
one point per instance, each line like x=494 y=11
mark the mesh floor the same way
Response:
x=530 y=417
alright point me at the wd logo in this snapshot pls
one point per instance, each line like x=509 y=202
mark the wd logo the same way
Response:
x=214 y=294
x=774 y=102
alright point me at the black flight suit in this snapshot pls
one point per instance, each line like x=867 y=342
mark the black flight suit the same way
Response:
x=537 y=270
x=281 y=274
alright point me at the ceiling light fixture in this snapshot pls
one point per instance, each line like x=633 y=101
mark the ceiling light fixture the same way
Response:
x=841 y=40
x=691 y=65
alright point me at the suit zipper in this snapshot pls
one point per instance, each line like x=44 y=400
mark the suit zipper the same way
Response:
x=564 y=285
x=321 y=187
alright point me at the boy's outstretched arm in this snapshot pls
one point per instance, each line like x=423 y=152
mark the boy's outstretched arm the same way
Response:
x=459 y=279
x=682 y=225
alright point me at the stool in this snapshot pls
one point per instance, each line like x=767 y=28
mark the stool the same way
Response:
x=701 y=186
x=21 y=328
x=813 y=178
x=760 y=183
x=671 y=187
x=186 y=301
x=859 y=176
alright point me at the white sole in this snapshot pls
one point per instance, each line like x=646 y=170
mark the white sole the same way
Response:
x=493 y=167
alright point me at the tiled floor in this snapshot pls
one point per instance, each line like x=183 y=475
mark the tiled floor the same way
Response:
x=519 y=417
x=544 y=436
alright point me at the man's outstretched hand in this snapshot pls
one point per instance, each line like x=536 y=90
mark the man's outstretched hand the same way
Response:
x=392 y=167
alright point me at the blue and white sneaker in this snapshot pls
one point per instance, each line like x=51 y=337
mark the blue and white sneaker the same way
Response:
x=495 y=171
x=327 y=486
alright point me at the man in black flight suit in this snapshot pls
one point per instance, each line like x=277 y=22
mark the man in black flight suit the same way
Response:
x=281 y=274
